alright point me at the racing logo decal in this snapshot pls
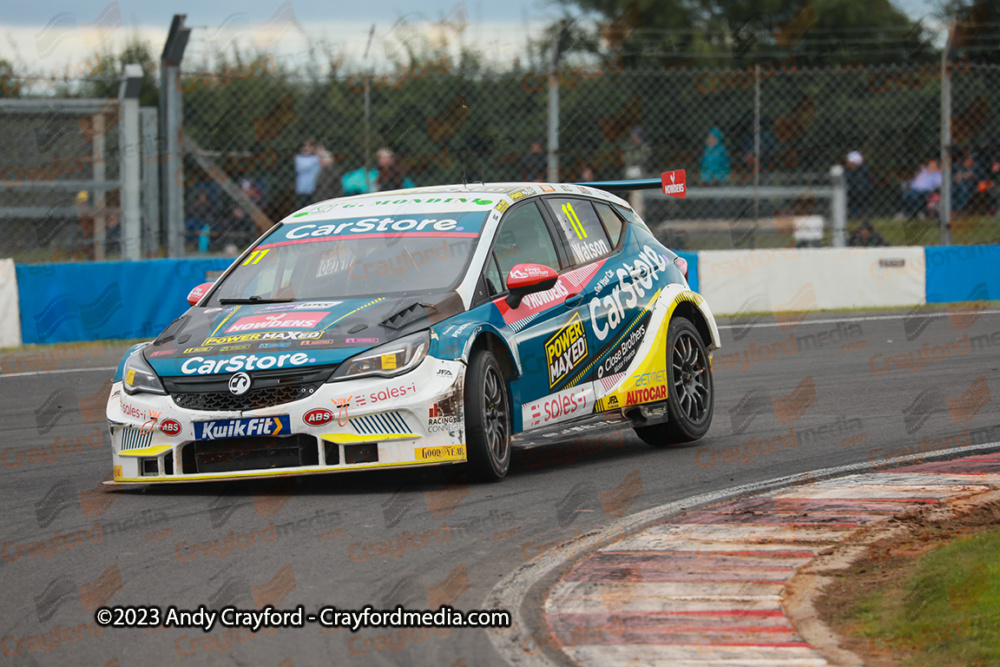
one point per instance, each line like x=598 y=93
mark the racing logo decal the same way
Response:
x=621 y=352
x=241 y=428
x=535 y=304
x=559 y=407
x=299 y=320
x=566 y=350
x=633 y=281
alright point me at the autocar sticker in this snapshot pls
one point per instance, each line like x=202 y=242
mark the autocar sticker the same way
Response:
x=533 y=305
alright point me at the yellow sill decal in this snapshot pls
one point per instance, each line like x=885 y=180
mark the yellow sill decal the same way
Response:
x=355 y=438
x=444 y=453
x=117 y=472
x=146 y=451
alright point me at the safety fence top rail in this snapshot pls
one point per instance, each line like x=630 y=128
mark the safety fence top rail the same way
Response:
x=48 y=104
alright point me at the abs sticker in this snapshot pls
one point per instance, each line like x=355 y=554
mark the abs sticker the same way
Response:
x=566 y=350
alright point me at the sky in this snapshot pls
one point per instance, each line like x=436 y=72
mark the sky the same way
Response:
x=51 y=37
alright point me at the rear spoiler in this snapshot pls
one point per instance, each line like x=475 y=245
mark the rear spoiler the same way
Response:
x=673 y=183
x=625 y=186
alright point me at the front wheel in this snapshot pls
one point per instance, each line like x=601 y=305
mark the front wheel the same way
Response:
x=487 y=418
x=690 y=392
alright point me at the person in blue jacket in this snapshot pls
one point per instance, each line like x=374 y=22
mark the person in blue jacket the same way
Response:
x=354 y=182
x=715 y=159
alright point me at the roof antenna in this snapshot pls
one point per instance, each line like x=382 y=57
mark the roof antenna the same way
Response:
x=464 y=111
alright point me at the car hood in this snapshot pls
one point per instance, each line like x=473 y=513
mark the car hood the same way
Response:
x=290 y=335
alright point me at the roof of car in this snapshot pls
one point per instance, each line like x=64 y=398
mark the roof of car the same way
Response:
x=470 y=196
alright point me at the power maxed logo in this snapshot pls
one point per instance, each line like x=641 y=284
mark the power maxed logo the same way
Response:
x=566 y=350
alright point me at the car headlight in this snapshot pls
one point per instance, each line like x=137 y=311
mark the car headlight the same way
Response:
x=399 y=356
x=138 y=376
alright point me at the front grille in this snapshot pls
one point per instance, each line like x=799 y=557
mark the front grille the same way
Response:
x=268 y=388
x=252 y=400
x=259 y=453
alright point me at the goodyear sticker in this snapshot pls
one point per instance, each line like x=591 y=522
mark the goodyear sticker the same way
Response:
x=445 y=453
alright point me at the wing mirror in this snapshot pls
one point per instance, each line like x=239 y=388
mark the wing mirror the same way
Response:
x=194 y=296
x=526 y=279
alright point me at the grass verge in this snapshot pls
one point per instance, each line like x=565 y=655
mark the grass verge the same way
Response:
x=931 y=599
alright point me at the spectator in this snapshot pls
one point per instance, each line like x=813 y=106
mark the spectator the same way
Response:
x=586 y=174
x=328 y=183
x=355 y=183
x=927 y=181
x=237 y=231
x=635 y=154
x=715 y=159
x=307 y=168
x=390 y=175
x=86 y=213
x=534 y=164
x=859 y=187
x=199 y=221
x=866 y=236
x=768 y=147
x=964 y=179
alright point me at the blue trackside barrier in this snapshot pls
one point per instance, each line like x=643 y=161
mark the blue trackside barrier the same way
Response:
x=962 y=273
x=106 y=300
x=692 y=260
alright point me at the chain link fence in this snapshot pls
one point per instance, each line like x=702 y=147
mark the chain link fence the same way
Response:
x=246 y=121
x=59 y=179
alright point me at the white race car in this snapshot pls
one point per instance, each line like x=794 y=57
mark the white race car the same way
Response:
x=429 y=326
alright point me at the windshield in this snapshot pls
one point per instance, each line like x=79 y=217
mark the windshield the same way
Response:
x=356 y=258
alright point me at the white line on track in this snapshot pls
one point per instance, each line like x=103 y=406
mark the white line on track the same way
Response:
x=846 y=318
x=62 y=370
x=510 y=592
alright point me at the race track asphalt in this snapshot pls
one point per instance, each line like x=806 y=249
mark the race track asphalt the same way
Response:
x=793 y=396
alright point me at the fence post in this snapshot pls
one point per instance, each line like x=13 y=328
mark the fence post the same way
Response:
x=944 y=210
x=838 y=206
x=128 y=147
x=150 y=184
x=171 y=122
x=552 y=173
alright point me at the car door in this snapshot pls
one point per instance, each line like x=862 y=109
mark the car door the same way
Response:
x=526 y=237
x=617 y=296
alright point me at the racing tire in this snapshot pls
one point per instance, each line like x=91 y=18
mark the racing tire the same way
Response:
x=690 y=390
x=487 y=418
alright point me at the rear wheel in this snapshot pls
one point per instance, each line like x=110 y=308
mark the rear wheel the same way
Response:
x=487 y=417
x=690 y=392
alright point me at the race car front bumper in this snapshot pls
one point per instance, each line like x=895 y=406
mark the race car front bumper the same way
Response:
x=415 y=419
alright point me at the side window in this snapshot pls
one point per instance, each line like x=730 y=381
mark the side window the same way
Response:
x=612 y=223
x=523 y=239
x=494 y=283
x=631 y=216
x=581 y=229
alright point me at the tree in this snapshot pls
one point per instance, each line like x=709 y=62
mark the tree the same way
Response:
x=740 y=33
